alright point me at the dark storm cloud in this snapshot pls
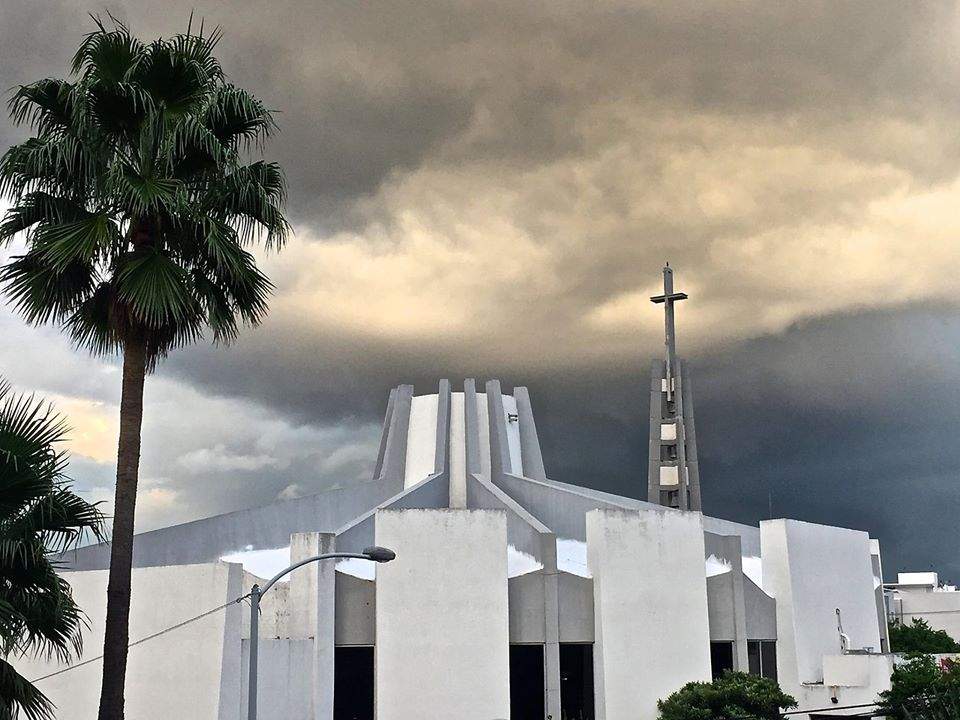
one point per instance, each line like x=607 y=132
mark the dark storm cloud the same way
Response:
x=369 y=90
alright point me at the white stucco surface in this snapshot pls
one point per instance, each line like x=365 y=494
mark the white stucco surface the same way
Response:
x=651 y=625
x=513 y=434
x=192 y=672
x=458 y=452
x=421 y=439
x=941 y=610
x=441 y=616
x=283 y=678
x=811 y=570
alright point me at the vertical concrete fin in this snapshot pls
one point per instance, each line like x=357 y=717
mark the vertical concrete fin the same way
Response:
x=529 y=440
x=653 y=473
x=682 y=472
x=384 y=434
x=500 y=461
x=441 y=462
x=312 y=602
x=690 y=434
x=471 y=426
x=733 y=553
x=551 y=624
x=395 y=457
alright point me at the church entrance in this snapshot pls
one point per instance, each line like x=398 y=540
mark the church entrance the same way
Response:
x=576 y=681
x=353 y=682
x=526 y=682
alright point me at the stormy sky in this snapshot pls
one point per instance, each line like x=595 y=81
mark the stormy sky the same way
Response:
x=490 y=189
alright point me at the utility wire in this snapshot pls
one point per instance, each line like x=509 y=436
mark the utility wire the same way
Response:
x=145 y=639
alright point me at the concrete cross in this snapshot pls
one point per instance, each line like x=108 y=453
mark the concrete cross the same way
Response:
x=668 y=298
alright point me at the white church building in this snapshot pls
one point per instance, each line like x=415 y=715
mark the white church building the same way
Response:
x=512 y=595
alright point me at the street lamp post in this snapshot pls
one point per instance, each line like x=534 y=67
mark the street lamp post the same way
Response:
x=376 y=554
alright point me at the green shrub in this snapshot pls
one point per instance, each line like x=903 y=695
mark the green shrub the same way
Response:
x=922 y=688
x=734 y=695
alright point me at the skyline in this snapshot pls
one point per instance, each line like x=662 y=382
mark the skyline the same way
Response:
x=490 y=190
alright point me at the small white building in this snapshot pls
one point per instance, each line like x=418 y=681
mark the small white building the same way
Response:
x=921 y=596
x=512 y=595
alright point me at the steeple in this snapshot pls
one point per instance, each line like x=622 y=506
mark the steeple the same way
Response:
x=673 y=475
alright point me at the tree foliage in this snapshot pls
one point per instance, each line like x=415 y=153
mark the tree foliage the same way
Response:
x=923 y=688
x=733 y=695
x=39 y=514
x=919 y=637
x=135 y=196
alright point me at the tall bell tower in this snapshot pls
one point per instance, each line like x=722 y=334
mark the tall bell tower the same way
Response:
x=674 y=474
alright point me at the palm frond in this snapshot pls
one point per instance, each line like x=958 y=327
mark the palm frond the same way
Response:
x=82 y=241
x=23 y=695
x=238 y=118
x=41 y=291
x=38 y=207
x=154 y=288
x=108 y=55
x=47 y=106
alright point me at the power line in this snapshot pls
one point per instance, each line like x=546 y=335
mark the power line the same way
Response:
x=145 y=639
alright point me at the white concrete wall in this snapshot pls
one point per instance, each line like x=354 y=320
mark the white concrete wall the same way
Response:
x=941 y=610
x=651 y=626
x=513 y=434
x=811 y=570
x=483 y=425
x=284 y=684
x=421 y=439
x=458 y=452
x=441 y=616
x=192 y=672
x=312 y=614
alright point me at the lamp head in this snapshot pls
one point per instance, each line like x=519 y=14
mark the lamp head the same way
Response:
x=379 y=554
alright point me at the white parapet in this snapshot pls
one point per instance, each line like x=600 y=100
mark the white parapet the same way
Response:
x=650 y=608
x=441 y=615
x=812 y=571
x=191 y=672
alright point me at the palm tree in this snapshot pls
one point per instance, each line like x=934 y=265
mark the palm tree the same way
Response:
x=38 y=514
x=138 y=199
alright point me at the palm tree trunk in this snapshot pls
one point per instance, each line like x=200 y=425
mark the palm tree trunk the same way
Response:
x=117 y=635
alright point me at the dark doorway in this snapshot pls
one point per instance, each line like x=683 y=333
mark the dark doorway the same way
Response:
x=353 y=683
x=576 y=681
x=721 y=658
x=526 y=682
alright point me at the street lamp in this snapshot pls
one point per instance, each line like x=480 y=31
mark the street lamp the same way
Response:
x=374 y=553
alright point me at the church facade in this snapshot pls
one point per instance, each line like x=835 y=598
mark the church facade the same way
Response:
x=512 y=595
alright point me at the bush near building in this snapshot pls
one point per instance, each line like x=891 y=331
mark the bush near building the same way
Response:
x=919 y=637
x=923 y=689
x=734 y=695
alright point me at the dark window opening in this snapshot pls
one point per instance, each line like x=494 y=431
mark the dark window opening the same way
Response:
x=526 y=682
x=721 y=658
x=762 y=657
x=576 y=681
x=768 y=659
x=668 y=452
x=353 y=683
